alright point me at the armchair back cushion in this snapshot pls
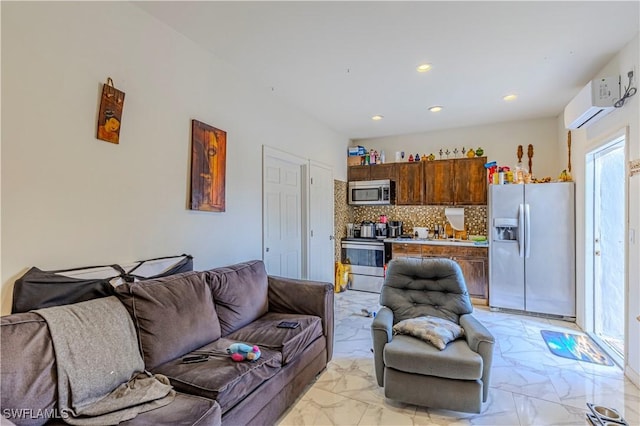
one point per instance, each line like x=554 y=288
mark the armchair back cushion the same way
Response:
x=172 y=315
x=240 y=293
x=430 y=286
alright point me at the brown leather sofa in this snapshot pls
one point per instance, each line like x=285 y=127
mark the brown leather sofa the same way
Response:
x=193 y=313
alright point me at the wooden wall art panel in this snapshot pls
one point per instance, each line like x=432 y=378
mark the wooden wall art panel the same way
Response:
x=208 y=164
x=110 y=114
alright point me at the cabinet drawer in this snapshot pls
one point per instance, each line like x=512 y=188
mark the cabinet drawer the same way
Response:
x=438 y=251
x=406 y=250
x=453 y=251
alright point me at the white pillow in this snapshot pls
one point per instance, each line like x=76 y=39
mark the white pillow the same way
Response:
x=434 y=330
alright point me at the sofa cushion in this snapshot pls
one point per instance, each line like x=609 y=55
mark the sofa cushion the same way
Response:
x=221 y=378
x=185 y=410
x=28 y=369
x=240 y=293
x=172 y=315
x=411 y=355
x=289 y=341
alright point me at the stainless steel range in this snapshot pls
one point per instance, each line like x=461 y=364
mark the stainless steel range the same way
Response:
x=367 y=259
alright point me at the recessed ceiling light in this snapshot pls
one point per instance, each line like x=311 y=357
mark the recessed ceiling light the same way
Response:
x=435 y=108
x=424 y=67
x=510 y=97
x=377 y=117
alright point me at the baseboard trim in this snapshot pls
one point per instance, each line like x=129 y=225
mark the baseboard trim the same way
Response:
x=532 y=314
x=632 y=375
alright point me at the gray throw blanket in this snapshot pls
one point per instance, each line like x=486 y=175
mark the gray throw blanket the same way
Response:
x=101 y=376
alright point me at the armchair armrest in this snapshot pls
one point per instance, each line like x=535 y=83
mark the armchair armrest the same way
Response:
x=287 y=295
x=382 y=333
x=480 y=340
x=475 y=332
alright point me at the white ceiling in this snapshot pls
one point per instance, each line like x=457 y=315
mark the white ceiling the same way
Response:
x=343 y=62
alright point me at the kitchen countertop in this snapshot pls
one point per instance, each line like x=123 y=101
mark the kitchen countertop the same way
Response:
x=447 y=242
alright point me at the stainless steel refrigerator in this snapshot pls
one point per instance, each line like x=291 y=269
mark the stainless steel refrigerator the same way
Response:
x=532 y=248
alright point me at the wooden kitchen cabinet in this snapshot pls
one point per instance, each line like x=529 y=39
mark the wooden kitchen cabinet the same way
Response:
x=358 y=173
x=383 y=171
x=438 y=179
x=372 y=172
x=470 y=183
x=410 y=183
x=475 y=271
x=474 y=262
x=462 y=181
x=406 y=250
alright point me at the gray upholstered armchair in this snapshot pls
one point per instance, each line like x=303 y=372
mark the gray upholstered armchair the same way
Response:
x=414 y=371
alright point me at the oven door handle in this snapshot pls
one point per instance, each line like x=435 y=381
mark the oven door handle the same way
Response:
x=364 y=246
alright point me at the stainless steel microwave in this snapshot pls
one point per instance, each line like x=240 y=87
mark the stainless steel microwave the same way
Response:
x=371 y=192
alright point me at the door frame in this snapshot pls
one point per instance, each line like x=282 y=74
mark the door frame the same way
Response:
x=596 y=146
x=311 y=164
x=268 y=151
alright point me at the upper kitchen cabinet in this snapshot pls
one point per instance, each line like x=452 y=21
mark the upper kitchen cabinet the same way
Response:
x=383 y=171
x=410 y=183
x=461 y=181
x=372 y=172
x=470 y=184
x=358 y=173
x=438 y=178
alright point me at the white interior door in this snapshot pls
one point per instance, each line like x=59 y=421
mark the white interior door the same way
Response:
x=282 y=213
x=321 y=227
x=609 y=245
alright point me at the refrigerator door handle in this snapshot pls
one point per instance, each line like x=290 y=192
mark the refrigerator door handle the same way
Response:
x=521 y=230
x=527 y=215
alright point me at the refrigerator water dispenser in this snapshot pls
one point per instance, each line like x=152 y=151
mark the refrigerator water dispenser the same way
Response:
x=505 y=229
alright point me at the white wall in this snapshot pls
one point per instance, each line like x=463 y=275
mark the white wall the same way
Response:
x=499 y=142
x=69 y=199
x=584 y=141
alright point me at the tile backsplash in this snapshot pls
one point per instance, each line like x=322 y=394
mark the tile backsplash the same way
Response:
x=342 y=214
x=475 y=217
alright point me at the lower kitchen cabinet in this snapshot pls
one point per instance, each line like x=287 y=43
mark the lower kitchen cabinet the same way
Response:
x=476 y=272
x=474 y=262
x=406 y=250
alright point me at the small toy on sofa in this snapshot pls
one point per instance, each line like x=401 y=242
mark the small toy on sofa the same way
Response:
x=240 y=352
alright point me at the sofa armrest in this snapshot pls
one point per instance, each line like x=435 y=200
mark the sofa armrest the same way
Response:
x=480 y=340
x=292 y=296
x=381 y=333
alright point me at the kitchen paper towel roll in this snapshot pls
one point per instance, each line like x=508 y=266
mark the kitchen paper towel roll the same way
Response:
x=455 y=216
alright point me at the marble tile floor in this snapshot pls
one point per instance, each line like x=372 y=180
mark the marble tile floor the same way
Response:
x=529 y=385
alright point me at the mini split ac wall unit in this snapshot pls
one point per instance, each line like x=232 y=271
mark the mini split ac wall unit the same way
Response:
x=593 y=102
